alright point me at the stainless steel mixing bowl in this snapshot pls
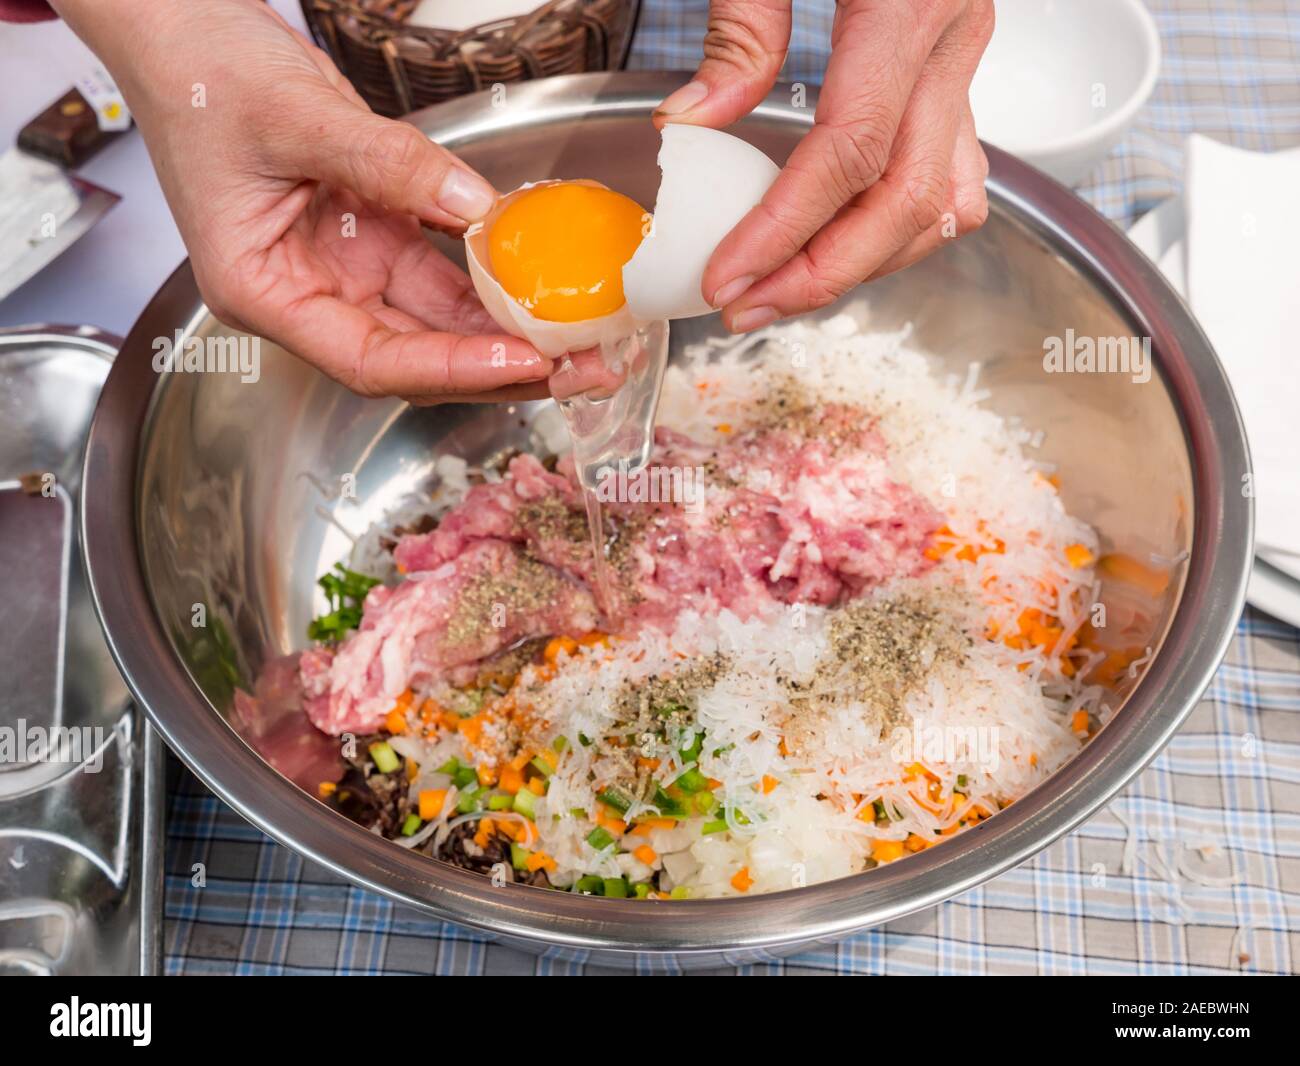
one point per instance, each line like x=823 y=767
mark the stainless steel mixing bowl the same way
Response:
x=204 y=490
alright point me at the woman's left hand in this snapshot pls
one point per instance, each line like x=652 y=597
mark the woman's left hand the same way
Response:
x=890 y=170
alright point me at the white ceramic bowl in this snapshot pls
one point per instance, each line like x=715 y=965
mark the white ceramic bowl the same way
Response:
x=1062 y=80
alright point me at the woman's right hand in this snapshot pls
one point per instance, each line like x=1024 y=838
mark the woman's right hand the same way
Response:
x=301 y=209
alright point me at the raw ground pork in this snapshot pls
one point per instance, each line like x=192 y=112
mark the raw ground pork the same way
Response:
x=800 y=510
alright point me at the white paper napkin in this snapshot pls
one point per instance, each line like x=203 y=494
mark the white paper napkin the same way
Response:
x=1243 y=282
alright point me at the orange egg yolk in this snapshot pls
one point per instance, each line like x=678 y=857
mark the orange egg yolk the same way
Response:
x=559 y=249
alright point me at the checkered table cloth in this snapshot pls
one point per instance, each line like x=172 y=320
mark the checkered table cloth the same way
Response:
x=1114 y=897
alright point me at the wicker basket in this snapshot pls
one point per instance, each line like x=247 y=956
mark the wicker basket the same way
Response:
x=398 y=68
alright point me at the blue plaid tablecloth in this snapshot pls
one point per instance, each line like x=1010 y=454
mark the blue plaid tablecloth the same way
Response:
x=1194 y=869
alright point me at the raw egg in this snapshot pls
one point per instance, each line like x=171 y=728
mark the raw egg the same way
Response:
x=569 y=265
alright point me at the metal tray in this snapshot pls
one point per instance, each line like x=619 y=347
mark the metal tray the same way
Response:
x=81 y=775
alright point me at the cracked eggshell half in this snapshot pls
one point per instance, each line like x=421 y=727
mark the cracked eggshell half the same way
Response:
x=711 y=180
x=552 y=339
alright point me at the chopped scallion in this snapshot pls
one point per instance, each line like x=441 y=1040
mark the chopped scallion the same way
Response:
x=386 y=759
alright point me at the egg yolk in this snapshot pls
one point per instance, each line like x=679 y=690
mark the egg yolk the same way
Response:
x=559 y=249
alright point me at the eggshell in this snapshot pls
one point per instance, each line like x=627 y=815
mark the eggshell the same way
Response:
x=710 y=182
x=552 y=339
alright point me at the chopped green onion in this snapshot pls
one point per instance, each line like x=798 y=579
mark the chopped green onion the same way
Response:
x=600 y=838
x=411 y=824
x=613 y=797
x=584 y=740
x=346 y=594
x=500 y=801
x=669 y=807
x=692 y=781
x=691 y=753
x=615 y=888
x=525 y=803
x=464 y=776
x=667 y=710
x=705 y=802
x=718 y=825
x=519 y=856
x=961 y=784
x=680 y=892
x=541 y=766
x=561 y=744
x=469 y=801
x=590 y=885
x=450 y=766
x=642 y=889
x=386 y=759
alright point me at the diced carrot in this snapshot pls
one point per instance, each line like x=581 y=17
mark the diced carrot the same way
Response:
x=616 y=826
x=594 y=638
x=1132 y=572
x=431 y=802
x=412 y=769
x=1078 y=556
x=487 y=775
x=886 y=850
x=556 y=645
x=539 y=860
x=327 y=788
x=768 y=783
x=1079 y=722
x=512 y=779
x=712 y=784
x=644 y=826
x=395 y=721
x=537 y=786
x=521 y=760
x=484 y=833
x=647 y=764
x=916 y=843
x=472 y=729
x=741 y=881
x=548 y=756
x=646 y=854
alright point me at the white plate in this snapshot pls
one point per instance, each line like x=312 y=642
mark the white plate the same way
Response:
x=1162 y=235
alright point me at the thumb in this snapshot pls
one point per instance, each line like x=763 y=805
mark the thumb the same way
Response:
x=391 y=163
x=744 y=50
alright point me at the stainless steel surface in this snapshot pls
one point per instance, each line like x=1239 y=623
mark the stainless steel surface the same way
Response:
x=208 y=494
x=23 y=256
x=78 y=870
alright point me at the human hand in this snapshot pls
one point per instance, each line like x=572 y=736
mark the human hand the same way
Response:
x=890 y=170
x=302 y=209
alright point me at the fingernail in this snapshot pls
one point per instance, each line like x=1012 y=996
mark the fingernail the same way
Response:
x=685 y=98
x=754 y=318
x=732 y=290
x=466 y=195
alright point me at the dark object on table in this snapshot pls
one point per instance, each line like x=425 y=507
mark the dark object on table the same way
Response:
x=66 y=132
x=398 y=68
